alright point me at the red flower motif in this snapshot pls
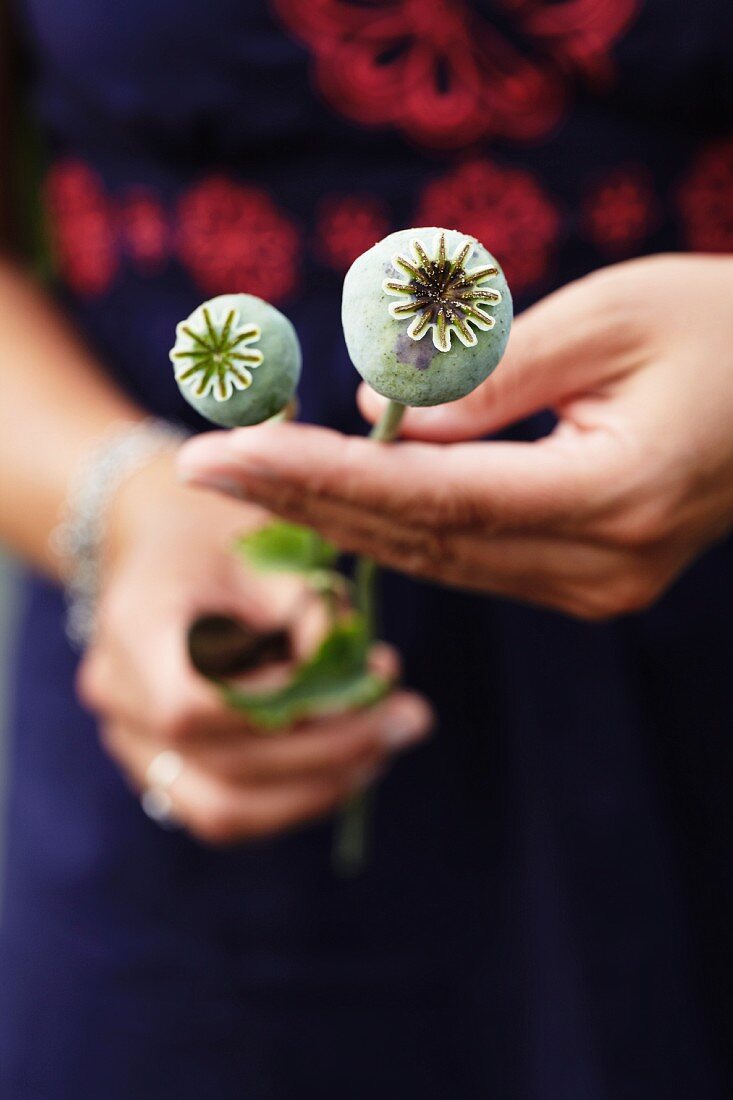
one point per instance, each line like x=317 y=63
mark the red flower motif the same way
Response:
x=706 y=199
x=619 y=212
x=579 y=33
x=445 y=75
x=504 y=208
x=232 y=237
x=346 y=226
x=144 y=230
x=82 y=227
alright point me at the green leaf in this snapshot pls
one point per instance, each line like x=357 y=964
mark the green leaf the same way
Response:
x=334 y=679
x=287 y=547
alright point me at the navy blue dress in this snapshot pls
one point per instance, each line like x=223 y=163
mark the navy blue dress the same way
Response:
x=548 y=914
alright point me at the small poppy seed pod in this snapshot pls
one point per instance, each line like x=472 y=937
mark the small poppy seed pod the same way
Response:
x=426 y=315
x=236 y=360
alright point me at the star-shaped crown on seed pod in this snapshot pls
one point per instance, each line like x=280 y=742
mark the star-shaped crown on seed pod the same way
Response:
x=442 y=292
x=236 y=360
x=217 y=357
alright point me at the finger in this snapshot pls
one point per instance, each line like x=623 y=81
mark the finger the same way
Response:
x=298 y=470
x=562 y=573
x=266 y=811
x=266 y=602
x=576 y=338
x=535 y=557
x=385 y=662
x=327 y=748
x=309 y=624
x=586 y=580
x=163 y=694
x=221 y=813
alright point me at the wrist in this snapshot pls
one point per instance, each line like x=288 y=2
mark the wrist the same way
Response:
x=153 y=502
x=80 y=540
x=143 y=496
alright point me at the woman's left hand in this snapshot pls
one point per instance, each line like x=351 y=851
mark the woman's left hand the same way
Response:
x=598 y=518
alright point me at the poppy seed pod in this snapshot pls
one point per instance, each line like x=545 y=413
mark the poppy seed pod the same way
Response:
x=236 y=360
x=426 y=315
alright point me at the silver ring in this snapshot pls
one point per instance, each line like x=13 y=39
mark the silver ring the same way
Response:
x=155 y=800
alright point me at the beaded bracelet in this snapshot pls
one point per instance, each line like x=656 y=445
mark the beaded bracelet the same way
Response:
x=77 y=540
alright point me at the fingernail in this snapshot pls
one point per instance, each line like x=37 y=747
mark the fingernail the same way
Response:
x=396 y=735
x=399 y=731
x=217 y=483
x=406 y=724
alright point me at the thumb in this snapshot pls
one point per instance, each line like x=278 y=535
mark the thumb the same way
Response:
x=568 y=343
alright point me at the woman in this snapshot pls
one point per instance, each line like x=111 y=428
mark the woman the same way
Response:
x=546 y=913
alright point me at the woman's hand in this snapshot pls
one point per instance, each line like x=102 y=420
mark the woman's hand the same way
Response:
x=597 y=519
x=169 y=560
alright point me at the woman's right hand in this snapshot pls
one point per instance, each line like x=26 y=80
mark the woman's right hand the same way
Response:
x=169 y=561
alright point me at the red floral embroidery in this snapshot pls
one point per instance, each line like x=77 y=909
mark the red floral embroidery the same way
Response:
x=706 y=199
x=578 y=32
x=348 y=225
x=619 y=212
x=144 y=230
x=444 y=74
x=229 y=236
x=232 y=237
x=82 y=227
x=505 y=208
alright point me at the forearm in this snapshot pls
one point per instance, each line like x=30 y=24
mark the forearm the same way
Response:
x=54 y=402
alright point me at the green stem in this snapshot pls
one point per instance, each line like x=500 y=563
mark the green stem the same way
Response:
x=366 y=572
x=351 y=842
x=352 y=833
x=388 y=425
x=365 y=591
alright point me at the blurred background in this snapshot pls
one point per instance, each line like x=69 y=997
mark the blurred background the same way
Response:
x=7 y=614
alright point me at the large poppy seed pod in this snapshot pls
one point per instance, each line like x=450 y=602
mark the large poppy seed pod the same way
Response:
x=236 y=360
x=426 y=315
